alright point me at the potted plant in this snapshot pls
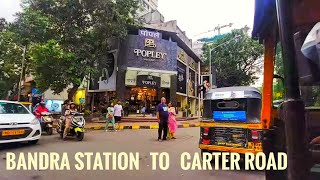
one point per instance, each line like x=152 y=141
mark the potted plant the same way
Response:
x=188 y=109
x=183 y=112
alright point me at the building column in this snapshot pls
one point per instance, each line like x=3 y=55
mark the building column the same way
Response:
x=173 y=90
x=121 y=87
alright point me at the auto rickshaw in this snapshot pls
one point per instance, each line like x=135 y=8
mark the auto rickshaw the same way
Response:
x=290 y=126
x=231 y=121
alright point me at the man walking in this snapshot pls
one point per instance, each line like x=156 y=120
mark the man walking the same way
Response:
x=162 y=116
x=118 y=112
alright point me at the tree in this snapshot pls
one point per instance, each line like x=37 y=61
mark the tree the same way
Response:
x=78 y=29
x=3 y=24
x=237 y=59
x=279 y=61
x=10 y=61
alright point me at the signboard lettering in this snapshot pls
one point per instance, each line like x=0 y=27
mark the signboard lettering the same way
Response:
x=150 y=54
x=148 y=81
x=146 y=33
x=150 y=43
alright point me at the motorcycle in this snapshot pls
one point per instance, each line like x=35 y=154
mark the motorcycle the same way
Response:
x=76 y=127
x=47 y=120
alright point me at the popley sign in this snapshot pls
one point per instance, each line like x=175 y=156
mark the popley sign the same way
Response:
x=148 y=81
x=150 y=54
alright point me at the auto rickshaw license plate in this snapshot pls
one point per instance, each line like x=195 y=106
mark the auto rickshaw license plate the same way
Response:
x=13 y=132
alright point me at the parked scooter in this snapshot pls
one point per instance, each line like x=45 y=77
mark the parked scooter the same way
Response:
x=47 y=125
x=76 y=128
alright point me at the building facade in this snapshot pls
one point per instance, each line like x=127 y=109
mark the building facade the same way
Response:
x=153 y=62
x=147 y=6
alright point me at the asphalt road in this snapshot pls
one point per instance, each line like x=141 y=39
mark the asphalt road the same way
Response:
x=142 y=141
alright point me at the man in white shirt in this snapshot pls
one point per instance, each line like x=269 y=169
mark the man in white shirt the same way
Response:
x=118 y=112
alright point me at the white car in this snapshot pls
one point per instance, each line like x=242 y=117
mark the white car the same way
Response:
x=18 y=124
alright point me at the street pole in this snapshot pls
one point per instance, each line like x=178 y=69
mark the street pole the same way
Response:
x=210 y=67
x=210 y=58
x=22 y=70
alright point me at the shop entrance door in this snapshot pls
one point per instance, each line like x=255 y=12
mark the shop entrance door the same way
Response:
x=142 y=97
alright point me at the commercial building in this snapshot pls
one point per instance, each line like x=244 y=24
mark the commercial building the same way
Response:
x=147 y=6
x=153 y=62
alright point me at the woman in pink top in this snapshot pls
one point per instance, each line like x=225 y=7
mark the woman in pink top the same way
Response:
x=172 y=122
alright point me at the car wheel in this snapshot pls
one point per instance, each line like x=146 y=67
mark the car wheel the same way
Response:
x=80 y=136
x=33 y=142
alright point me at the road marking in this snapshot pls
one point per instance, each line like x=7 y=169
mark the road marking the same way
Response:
x=155 y=126
x=186 y=125
x=135 y=127
x=98 y=128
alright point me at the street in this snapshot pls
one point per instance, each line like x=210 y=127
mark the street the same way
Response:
x=141 y=141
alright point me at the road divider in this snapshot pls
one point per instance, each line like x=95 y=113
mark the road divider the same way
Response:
x=136 y=127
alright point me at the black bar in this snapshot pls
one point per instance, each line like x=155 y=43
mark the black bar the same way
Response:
x=293 y=107
x=285 y=21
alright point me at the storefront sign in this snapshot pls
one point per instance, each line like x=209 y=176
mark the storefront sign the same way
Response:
x=148 y=81
x=181 y=78
x=150 y=54
x=152 y=34
x=147 y=53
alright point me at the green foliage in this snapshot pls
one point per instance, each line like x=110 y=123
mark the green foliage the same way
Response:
x=236 y=57
x=10 y=61
x=68 y=37
x=87 y=112
x=54 y=67
x=278 y=91
x=279 y=61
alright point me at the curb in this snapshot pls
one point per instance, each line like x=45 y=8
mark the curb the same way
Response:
x=136 y=127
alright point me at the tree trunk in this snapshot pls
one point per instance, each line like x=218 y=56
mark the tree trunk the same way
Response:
x=72 y=92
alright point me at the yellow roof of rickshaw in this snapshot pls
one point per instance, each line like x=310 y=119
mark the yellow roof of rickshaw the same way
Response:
x=26 y=103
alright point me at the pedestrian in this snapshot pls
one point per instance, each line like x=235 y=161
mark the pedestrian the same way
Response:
x=118 y=111
x=110 y=118
x=73 y=107
x=162 y=117
x=172 y=122
x=148 y=105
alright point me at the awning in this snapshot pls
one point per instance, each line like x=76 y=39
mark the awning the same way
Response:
x=133 y=75
x=265 y=15
x=151 y=71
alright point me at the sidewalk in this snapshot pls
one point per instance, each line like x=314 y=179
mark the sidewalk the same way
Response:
x=139 y=125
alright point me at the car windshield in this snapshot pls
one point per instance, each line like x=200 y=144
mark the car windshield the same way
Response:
x=12 y=108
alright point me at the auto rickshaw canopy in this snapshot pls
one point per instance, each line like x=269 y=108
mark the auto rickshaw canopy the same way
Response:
x=305 y=13
x=235 y=92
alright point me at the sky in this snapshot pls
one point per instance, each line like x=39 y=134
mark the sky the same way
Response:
x=8 y=8
x=199 y=16
x=193 y=16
